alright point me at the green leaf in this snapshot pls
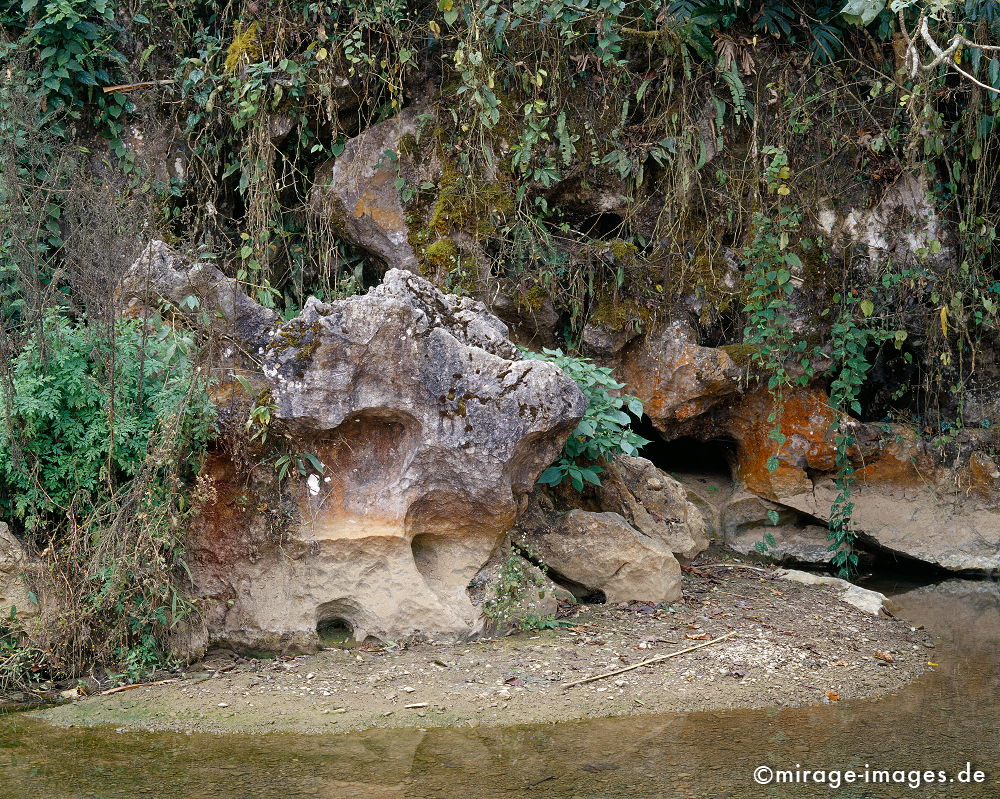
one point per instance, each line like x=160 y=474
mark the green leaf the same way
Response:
x=551 y=476
x=862 y=12
x=867 y=307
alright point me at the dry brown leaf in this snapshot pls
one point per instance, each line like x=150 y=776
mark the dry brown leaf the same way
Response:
x=833 y=696
x=885 y=656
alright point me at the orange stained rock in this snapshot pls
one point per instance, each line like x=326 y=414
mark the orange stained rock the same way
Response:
x=806 y=420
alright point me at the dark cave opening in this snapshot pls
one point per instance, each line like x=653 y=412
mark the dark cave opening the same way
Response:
x=603 y=226
x=686 y=454
x=334 y=631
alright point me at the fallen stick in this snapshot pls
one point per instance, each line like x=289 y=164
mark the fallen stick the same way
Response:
x=121 y=688
x=730 y=566
x=125 y=87
x=657 y=659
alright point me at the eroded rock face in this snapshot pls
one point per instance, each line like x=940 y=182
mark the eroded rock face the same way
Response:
x=949 y=530
x=906 y=501
x=655 y=504
x=806 y=422
x=676 y=379
x=429 y=427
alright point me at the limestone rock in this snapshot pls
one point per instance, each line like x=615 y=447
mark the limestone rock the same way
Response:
x=676 y=379
x=601 y=552
x=430 y=428
x=533 y=318
x=952 y=531
x=14 y=565
x=357 y=192
x=747 y=519
x=806 y=422
x=655 y=504
x=198 y=290
x=901 y=225
x=514 y=592
x=871 y=602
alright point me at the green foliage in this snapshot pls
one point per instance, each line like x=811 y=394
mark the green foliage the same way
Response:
x=262 y=413
x=74 y=42
x=769 y=263
x=82 y=413
x=603 y=431
x=99 y=445
x=515 y=588
x=817 y=27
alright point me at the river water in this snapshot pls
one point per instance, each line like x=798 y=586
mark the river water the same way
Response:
x=944 y=720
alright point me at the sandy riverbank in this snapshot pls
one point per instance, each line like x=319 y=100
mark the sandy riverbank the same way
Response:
x=790 y=645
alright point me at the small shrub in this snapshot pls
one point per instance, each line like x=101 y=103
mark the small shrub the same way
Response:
x=603 y=431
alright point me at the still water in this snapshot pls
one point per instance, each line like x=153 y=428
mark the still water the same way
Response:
x=941 y=722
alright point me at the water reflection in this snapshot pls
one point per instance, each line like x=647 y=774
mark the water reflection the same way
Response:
x=941 y=721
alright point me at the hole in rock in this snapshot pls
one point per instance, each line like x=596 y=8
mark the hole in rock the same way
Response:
x=334 y=631
x=602 y=226
x=581 y=593
x=686 y=455
x=893 y=382
x=691 y=456
x=423 y=553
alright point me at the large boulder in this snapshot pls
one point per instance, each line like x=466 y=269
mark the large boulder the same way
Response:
x=417 y=427
x=357 y=191
x=909 y=502
x=905 y=499
x=654 y=503
x=676 y=379
x=598 y=555
x=945 y=529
